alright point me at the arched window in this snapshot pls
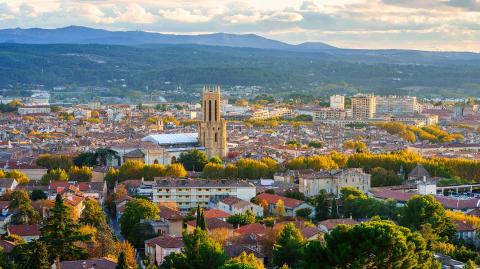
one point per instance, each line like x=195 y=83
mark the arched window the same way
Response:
x=209 y=110
x=173 y=160
x=216 y=137
x=155 y=162
x=216 y=111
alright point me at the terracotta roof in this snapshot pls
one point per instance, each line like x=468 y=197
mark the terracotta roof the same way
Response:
x=332 y=223
x=273 y=199
x=254 y=228
x=24 y=230
x=236 y=250
x=463 y=226
x=308 y=232
x=169 y=213
x=212 y=224
x=7 y=246
x=216 y=213
x=98 y=263
x=166 y=242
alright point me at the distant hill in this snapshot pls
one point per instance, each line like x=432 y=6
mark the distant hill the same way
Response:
x=85 y=35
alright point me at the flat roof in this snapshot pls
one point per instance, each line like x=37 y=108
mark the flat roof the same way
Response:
x=172 y=139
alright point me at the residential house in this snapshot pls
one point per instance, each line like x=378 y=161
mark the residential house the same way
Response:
x=28 y=232
x=157 y=248
x=312 y=182
x=7 y=184
x=327 y=225
x=235 y=205
x=466 y=231
x=217 y=214
x=96 y=263
x=236 y=250
x=291 y=205
x=212 y=224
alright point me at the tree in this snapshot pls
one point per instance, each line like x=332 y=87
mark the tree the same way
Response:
x=280 y=208
x=244 y=261
x=303 y=213
x=241 y=219
x=321 y=206
x=38 y=195
x=135 y=211
x=92 y=214
x=334 y=210
x=59 y=232
x=153 y=170
x=213 y=170
x=122 y=261
x=374 y=244
x=470 y=265
x=295 y=195
x=129 y=252
x=31 y=255
x=82 y=174
x=420 y=210
x=54 y=175
x=175 y=170
x=20 y=206
x=215 y=159
x=200 y=252
x=85 y=159
x=55 y=161
x=111 y=177
x=288 y=246
x=202 y=224
x=193 y=160
x=131 y=170
x=20 y=177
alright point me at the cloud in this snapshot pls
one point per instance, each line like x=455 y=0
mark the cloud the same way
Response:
x=183 y=15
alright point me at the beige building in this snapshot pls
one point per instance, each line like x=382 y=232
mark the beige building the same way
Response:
x=337 y=101
x=396 y=105
x=363 y=106
x=212 y=131
x=311 y=182
x=328 y=114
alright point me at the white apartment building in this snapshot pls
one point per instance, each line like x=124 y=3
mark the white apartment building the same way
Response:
x=337 y=101
x=33 y=109
x=333 y=181
x=396 y=105
x=363 y=106
x=190 y=193
x=329 y=114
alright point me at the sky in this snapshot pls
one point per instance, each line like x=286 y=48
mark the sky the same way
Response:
x=446 y=25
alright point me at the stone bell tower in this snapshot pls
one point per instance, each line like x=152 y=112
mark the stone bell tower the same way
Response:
x=212 y=130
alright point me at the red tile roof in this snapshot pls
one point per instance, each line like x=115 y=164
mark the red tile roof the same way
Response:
x=166 y=242
x=212 y=224
x=24 y=230
x=169 y=213
x=308 y=232
x=254 y=228
x=463 y=226
x=216 y=213
x=273 y=199
x=332 y=223
x=98 y=263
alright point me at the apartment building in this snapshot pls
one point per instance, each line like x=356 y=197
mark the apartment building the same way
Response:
x=329 y=114
x=337 y=101
x=33 y=109
x=311 y=182
x=396 y=105
x=190 y=193
x=363 y=106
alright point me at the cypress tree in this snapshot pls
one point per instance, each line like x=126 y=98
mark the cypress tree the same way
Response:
x=40 y=257
x=122 y=261
x=202 y=224
x=334 y=211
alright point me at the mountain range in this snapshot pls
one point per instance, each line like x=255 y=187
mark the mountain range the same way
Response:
x=85 y=35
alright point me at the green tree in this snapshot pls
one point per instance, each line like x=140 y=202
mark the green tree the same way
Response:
x=92 y=214
x=193 y=160
x=200 y=252
x=55 y=161
x=38 y=195
x=20 y=206
x=424 y=209
x=122 y=261
x=303 y=213
x=470 y=265
x=59 y=232
x=241 y=219
x=215 y=159
x=202 y=224
x=31 y=255
x=85 y=159
x=111 y=177
x=322 y=205
x=288 y=246
x=135 y=211
x=374 y=244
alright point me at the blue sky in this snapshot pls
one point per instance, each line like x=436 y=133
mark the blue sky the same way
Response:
x=412 y=24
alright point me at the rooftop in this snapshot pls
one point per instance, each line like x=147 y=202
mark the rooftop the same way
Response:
x=172 y=139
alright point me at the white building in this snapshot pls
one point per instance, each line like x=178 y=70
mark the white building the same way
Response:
x=337 y=101
x=363 y=106
x=333 y=181
x=190 y=193
x=33 y=109
x=234 y=205
x=396 y=105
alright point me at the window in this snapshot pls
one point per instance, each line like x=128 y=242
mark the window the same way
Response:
x=209 y=110
x=216 y=137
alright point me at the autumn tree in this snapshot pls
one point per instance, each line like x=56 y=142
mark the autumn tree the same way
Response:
x=20 y=177
x=20 y=206
x=54 y=175
x=81 y=174
x=280 y=208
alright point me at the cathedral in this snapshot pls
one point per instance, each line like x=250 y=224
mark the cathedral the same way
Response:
x=166 y=148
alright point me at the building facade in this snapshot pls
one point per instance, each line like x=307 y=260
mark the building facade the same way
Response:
x=337 y=101
x=190 y=193
x=212 y=131
x=363 y=106
x=396 y=105
x=333 y=181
